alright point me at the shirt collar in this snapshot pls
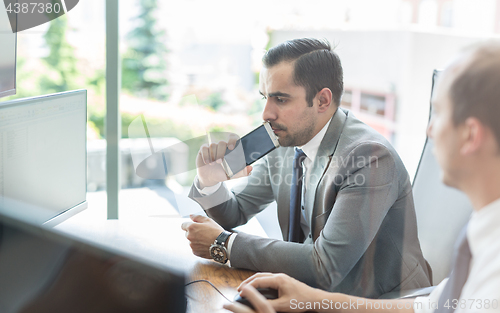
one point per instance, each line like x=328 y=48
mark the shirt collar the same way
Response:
x=312 y=146
x=483 y=227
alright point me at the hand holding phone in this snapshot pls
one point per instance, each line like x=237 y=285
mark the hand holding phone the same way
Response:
x=209 y=159
x=249 y=149
x=236 y=155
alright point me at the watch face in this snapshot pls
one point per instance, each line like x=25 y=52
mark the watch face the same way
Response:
x=218 y=253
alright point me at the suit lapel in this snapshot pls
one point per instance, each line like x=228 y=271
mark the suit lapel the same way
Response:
x=325 y=152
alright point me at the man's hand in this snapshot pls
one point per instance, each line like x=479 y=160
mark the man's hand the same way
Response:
x=288 y=289
x=256 y=299
x=293 y=296
x=209 y=159
x=201 y=233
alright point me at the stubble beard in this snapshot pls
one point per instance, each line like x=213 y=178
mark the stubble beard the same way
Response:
x=300 y=137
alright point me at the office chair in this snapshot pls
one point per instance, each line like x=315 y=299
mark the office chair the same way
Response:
x=441 y=213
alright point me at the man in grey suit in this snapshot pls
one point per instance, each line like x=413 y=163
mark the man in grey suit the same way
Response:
x=344 y=197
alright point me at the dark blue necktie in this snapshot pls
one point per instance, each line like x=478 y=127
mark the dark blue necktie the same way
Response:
x=453 y=288
x=294 y=231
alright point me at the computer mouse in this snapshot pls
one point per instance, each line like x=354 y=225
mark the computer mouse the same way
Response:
x=268 y=293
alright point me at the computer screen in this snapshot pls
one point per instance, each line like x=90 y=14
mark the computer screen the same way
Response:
x=8 y=41
x=43 y=159
x=42 y=270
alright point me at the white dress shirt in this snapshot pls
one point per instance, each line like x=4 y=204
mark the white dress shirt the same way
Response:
x=311 y=150
x=481 y=292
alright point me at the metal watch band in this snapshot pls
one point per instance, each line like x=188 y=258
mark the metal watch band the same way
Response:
x=221 y=239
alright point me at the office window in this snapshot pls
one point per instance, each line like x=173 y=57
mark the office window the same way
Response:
x=447 y=14
x=201 y=71
x=428 y=13
x=405 y=12
x=376 y=109
x=346 y=101
x=372 y=104
x=184 y=80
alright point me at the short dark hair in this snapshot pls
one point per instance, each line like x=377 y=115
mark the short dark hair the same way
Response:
x=316 y=66
x=475 y=92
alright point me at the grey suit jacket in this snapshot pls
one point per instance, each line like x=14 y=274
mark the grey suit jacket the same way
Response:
x=363 y=238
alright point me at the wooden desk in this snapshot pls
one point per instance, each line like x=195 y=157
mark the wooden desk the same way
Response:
x=204 y=298
x=152 y=231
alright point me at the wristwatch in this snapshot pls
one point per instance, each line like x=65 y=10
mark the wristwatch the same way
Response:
x=218 y=250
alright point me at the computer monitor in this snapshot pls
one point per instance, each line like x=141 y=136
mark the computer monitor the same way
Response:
x=441 y=211
x=8 y=41
x=43 y=154
x=43 y=270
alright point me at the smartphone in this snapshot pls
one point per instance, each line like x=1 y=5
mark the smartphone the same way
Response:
x=249 y=149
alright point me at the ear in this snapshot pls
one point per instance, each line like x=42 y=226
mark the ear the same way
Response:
x=473 y=136
x=324 y=97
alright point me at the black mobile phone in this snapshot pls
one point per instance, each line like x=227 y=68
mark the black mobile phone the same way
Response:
x=250 y=148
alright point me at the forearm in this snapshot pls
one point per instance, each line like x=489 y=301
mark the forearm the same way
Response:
x=227 y=214
x=231 y=208
x=274 y=256
x=320 y=264
x=219 y=205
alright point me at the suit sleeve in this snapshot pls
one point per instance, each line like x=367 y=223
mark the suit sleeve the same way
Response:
x=231 y=208
x=368 y=189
